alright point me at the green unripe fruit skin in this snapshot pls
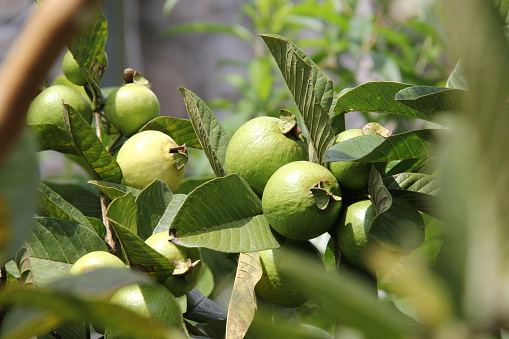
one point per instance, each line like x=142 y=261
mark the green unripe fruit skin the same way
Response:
x=178 y=285
x=275 y=286
x=258 y=149
x=152 y=301
x=290 y=207
x=352 y=175
x=72 y=70
x=146 y=156
x=47 y=107
x=96 y=260
x=130 y=107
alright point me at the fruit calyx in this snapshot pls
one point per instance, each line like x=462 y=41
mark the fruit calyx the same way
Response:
x=133 y=76
x=181 y=267
x=375 y=128
x=322 y=196
x=180 y=155
x=288 y=124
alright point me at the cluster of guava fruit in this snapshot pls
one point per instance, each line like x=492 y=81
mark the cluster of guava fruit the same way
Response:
x=146 y=155
x=303 y=199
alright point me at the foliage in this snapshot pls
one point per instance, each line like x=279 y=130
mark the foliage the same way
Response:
x=455 y=284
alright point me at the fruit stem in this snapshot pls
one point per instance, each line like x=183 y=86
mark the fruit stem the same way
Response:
x=109 y=234
x=129 y=75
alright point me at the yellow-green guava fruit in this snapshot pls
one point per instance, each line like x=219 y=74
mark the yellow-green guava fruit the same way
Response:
x=186 y=260
x=258 y=148
x=95 y=260
x=302 y=200
x=152 y=301
x=72 y=70
x=151 y=155
x=130 y=107
x=274 y=285
x=47 y=107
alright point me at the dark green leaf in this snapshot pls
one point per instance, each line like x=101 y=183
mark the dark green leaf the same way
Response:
x=88 y=203
x=112 y=190
x=378 y=97
x=432 y=100
x=225 y=215
x=190 y=183
x=52 y=137
x=407 y=165
x=202 y=309
x=379 y=194
x=332 y=255
x=152 y=204
x=54 y=206
x=170 y=212
x=375 y=148
x=213 y=138
x=311 y=88
x=66 y=332
x=180 y=130
x=103 y=165
x=124 y=211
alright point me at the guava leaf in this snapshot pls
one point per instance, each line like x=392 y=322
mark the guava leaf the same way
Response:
x=18 y=182
x=202 y=309
x=379 y=97
x=375 y=148
x=225 y=215
x=56 y=307
x=112 y=190
x=52 y=137
x=24 y=268
x=171 y=209
x=398 y=229
x=432 y=100
x=408 y=165
x=66 y=332
x=503 y=9
x=213 y=138
x=332 y=255
x=89 y=204
x=421 y=190
x=152 y=203
x=124 y=211
x=287 y=121
x=141 y=256
x=180 y=130
x=103 y=164
x=206 y=282
x=457 y=79
x=311 y=88
x=242 y=306
x=53 y=205
x=87 y=49
x=379 y=194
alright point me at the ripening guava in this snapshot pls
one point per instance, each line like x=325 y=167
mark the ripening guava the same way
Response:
x=72 y=70
x=47 y=107
x=274 y=285
x=152 y=301
x=151 y=155
x=186 y=260
x=95 y=260
x=130 y=107
x=258 y=148
x=301 y=200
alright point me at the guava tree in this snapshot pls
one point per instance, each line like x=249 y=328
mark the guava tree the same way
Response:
x=446 y=181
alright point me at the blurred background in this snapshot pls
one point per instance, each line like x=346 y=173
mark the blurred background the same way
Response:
x=212 y=48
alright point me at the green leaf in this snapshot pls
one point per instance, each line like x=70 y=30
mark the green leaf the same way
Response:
x=124 y=211
x=190 y=183
x=379 y=194
x=180 y=130
x=170 y=212
x=112 y=190
x=22 y=262
x=420 y=190
x=52 y=137
x=379 y=97
x=202 y=309
x=213 y=138
x=87 y=49
x=408 y=165
x=432 y=100
x=332 y=255
x=211 y=27
x=457 y=79
x=225 y=215
x=141 y=256
x=102 y=164
x=53 y=205
x=241 y=310
x=89 y=204
x=152 y=203
x=18 y=182
x=311 y=88
x=206 y=282
x=375 y=148
x=503 y=9
x=66 y=332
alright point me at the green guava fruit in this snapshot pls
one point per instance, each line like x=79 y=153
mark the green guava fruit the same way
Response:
x=258 y=148
x=62 y=80
x=274 y=285
x=186 y=260
x=130 y=107
x=360 y=248
x=95 y=260
x=151 y=155
x=152 y=301
x=352 y=175
x=72 y=70
x=47 y=107
x=301 y=200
